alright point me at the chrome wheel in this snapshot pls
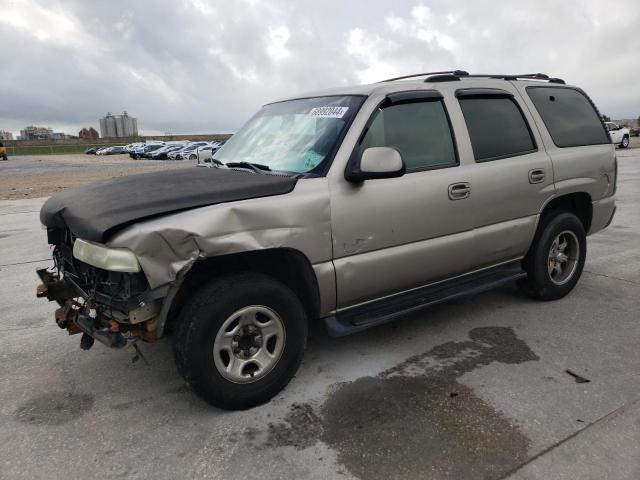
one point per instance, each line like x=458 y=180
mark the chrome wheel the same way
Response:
x=563 y=257
x=249 y=344
x=625 y=142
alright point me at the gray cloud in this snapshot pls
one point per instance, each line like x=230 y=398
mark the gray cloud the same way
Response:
x=205 y=66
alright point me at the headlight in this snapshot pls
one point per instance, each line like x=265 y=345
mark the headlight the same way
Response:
x=112 y=259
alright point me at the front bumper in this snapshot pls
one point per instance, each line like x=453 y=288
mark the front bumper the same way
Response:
x=114 y=319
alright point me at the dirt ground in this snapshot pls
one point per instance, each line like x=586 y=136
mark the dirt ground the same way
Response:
x=34 y=176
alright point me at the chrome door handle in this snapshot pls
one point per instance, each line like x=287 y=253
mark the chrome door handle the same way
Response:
x=458 y=191
x=536 y=175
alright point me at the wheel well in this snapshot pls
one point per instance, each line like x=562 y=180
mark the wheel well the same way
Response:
x=577 y=203
x=289 y=266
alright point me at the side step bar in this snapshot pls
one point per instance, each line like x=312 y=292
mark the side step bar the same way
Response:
x=382 y=311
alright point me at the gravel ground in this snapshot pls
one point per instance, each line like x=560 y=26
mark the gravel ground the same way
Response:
x=34 y=176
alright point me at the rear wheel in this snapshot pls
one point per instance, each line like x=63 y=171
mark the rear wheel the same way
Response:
x=240 y=339
x=625 y=142
x=556 y=258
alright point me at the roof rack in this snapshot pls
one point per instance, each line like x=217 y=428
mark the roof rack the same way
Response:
x=455 y=75
x=458 y=73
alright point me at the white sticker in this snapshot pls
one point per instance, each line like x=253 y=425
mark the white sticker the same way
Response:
x=328 y=112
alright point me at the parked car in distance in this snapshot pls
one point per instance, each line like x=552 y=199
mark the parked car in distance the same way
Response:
x=101 y=150
x=205 y=152
x=375 y=201
x=635 y=132
x=190 y=152
x=132 y=146
x=619 y=135
x=91 y=150
x=162 y=153
x=141 y=151
x=114 y=150
x=3 y=152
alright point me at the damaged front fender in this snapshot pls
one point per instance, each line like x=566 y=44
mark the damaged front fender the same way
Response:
x=167 y=247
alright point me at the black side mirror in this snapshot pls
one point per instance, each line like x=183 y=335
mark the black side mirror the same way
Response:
x=375 y=162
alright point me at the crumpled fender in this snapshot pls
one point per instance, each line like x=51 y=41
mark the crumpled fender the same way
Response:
x=168 y=246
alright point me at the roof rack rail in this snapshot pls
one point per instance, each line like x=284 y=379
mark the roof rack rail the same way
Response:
x=457 y=73
x=524 y=76
x=454 y=75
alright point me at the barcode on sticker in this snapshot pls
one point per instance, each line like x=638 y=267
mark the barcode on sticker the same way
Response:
x=328 y=112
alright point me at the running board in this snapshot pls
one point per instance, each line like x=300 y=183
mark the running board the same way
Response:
x=378 y=312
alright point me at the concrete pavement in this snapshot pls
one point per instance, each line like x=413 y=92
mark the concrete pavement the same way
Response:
x=474 y=388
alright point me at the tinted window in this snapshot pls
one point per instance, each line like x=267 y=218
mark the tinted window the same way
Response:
x=496 y=127
x=569 y=116
x=420 y=131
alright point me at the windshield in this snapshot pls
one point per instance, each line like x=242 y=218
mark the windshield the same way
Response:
x=294 y=136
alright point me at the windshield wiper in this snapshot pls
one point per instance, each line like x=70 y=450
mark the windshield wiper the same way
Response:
x=256 y=167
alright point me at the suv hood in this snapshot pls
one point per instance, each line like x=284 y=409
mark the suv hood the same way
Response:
x=95 y=211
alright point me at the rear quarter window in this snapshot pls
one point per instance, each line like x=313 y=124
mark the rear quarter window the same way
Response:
x=570 y=117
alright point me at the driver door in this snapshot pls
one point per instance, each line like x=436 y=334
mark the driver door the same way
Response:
x=395 y=234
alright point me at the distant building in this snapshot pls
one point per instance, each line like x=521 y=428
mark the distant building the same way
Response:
x=118 y=125
x=36 y=133
x=6 y=135
x=89 y=133
x=41 y=133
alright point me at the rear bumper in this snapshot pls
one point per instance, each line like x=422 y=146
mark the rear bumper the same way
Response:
x=603 y=212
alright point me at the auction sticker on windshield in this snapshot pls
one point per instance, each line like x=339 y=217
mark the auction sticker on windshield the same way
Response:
x=328 y=112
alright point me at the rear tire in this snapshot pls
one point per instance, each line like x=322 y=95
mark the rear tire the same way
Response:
x=239 y=340
x=556 y=258
x=625 y=142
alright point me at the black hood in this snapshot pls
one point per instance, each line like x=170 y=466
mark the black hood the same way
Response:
x=95 y=211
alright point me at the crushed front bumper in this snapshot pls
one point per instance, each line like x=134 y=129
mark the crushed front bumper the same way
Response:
x=80 y=313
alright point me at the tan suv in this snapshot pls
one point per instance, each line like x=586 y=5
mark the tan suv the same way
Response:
x=355 y=206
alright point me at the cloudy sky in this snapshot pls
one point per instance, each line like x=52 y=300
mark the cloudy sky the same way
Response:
x=184 y=66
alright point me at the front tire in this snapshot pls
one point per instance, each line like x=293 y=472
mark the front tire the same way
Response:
x=240 y=340
x=556 y=258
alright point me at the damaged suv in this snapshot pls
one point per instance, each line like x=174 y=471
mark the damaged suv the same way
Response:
x=355 y=206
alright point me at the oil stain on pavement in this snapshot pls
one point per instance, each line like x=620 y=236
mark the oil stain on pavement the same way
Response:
x=54 y=408
x=416 y=420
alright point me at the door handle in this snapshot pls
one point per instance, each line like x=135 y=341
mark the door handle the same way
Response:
x=536 y=175
x=460 y=190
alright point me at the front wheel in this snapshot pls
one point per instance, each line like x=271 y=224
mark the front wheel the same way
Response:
x=556 y=258
x=625 y=142
x=240 y=340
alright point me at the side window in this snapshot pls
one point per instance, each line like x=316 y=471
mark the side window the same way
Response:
x=419 y=130
x=497 y=128
x=570 y=117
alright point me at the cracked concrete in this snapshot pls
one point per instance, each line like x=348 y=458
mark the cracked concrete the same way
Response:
x=66 y=413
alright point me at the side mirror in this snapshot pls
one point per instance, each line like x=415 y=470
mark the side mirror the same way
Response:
x=376 y=162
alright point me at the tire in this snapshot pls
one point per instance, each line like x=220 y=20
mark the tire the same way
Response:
x=215 y=309
x=544 y=281
x=625 y=142
x=192 y=157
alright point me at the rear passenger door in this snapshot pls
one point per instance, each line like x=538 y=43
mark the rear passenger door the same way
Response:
x=512 y=177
